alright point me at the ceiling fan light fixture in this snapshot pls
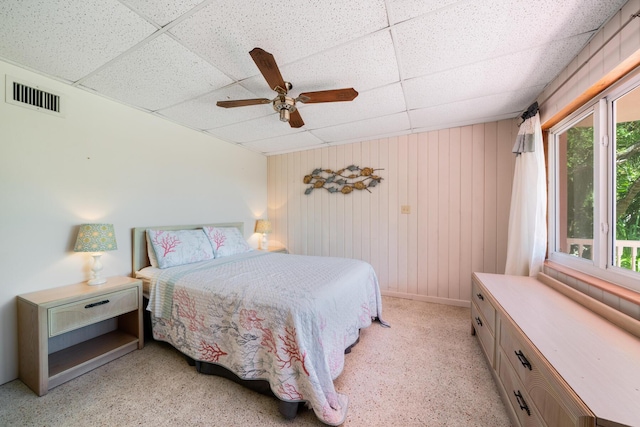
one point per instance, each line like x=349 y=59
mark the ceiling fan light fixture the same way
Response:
x=284 y=105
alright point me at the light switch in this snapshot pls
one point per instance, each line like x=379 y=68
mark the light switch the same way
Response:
x=405 y=209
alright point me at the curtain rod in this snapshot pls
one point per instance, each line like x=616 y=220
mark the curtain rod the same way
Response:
x=531 y=111
x=631 y=18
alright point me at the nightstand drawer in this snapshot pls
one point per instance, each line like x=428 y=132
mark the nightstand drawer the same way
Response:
x=68 y=317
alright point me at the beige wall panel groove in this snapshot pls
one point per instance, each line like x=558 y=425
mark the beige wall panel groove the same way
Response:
x=412 y=193
x=421 y=213
x=403 y=222
x=477 y=199
x=466 y=210
x=432 y=213
x=365 y=217
x=490 y=197
x=376 y=248
x=444 y=195
x=393 y=185
x=454 y=213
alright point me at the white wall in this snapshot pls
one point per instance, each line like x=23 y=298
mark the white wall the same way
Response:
x=457 y=183
x=103 y=162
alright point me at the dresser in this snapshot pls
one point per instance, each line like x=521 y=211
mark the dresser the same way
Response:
x=66 y=331
x=559 y=358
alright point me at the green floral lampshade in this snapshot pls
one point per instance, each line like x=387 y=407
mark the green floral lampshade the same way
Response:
x=96 y=238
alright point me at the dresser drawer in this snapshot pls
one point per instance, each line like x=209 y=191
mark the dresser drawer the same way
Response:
x=518 y=397
x=479 y=297
x=485 y=335
x=68 y=317
x=542 y=387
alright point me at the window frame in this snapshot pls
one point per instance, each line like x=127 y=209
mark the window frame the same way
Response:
x=602 y=264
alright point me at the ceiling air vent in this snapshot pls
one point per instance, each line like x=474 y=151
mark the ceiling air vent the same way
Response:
x=33 y=97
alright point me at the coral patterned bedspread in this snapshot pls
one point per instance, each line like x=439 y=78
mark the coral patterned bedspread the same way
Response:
x=283 y=318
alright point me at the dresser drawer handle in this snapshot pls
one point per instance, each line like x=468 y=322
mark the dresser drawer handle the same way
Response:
x=478 y=321
x=95 y=304
x=522 y=402
x=523 y=359
x=480 y=297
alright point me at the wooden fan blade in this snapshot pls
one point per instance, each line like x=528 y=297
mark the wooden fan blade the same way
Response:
x=334 y=95
x=295 y=120
x=269 y=69
x=242 y=102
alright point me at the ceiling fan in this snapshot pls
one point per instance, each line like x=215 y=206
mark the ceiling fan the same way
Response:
x=283 y=104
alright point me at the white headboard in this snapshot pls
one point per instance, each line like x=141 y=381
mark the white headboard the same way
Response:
x=140 y=258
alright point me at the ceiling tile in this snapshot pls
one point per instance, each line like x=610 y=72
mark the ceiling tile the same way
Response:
x=559 y=19
x=288 y=30
x=296 y=141
x=403 y=10
x=425 y=44
x=364 y=64
x=255 y=129
x=365 y=129
x=162 y=11
x=159 y=74
x=503 y=74
x=203 y=113
x=469 y=32
x=373 y=103
x=509 y=104
x=68 y=39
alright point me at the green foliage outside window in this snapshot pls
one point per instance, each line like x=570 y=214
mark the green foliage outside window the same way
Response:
x=627 y=185
x=580 y=184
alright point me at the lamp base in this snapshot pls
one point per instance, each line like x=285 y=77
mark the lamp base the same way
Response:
x=96 y=271
x=97 y=281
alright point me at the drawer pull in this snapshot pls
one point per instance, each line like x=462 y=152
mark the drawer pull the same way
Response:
x=95 y=304
x=522 y=402
x=523 y=359
x=478 y=321
x=480 y=297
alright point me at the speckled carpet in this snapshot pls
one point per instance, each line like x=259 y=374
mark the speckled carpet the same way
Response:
x=426 y=370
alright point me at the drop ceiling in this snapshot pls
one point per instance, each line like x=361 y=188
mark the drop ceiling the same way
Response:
x=418 y=65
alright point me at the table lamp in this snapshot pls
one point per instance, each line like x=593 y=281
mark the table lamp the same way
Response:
x=263 y=226
x=96 y=238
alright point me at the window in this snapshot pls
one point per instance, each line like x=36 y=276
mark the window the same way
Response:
x=626 y=113
x=594 y=191
x=575 y=189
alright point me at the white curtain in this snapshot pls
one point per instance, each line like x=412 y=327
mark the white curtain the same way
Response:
x=527 y=240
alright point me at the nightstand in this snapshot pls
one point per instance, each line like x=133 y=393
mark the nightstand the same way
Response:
x=67 y=331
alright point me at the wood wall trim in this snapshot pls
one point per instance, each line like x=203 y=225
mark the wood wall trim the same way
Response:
x=611 y=288
x=604 y=83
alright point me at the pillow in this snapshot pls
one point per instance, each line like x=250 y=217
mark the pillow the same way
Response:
x=178 y=247
x=151 y=253
x=226 y=241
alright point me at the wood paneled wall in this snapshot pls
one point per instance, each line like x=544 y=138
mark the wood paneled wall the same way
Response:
x=457 y=183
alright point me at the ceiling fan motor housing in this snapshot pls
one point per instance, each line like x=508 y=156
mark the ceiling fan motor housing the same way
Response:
x=284 y=105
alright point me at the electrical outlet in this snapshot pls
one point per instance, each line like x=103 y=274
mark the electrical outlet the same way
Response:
x=405 y=209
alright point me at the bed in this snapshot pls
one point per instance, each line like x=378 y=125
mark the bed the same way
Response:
x=277 y=323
